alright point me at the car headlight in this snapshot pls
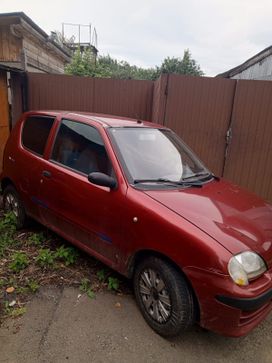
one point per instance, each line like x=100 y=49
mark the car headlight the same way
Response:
x=246 y=266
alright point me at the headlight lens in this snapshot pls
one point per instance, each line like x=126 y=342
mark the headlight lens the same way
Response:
x=246 y=266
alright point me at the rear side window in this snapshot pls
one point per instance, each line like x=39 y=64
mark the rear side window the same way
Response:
x=35 y=133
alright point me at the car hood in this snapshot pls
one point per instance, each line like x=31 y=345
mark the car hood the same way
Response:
x=237 y=219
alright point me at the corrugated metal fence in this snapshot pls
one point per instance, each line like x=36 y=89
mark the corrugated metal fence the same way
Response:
x=199 y=110
x=228 y=123
x=249 y=156
x=110 y=96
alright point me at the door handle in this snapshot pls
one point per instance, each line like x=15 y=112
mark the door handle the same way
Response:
x=46 y=174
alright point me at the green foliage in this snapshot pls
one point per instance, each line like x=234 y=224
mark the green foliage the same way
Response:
x=185 y=65
x=8 y=223
x=85 y=286
x=45 y=258
x=15 y=313
x=37 y=239
x=5 y=240
x=113 y=283
x=19 y=261
x=33 y=285
x=68 y=254
x=101 y=274
x=90 y=293
x=85 y=65
x=7 y=230
x=82 y=64
x=22 y=290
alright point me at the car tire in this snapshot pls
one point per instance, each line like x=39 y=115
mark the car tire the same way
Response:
x=164 y=297
x=13 y=203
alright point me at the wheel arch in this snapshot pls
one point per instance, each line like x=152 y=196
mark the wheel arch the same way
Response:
x=142 y=254
x=5 y=182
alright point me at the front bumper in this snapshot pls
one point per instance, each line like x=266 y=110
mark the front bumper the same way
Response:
x=226 y=308
x=246 y=304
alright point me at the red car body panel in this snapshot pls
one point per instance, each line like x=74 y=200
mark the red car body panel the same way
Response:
x=237 y=219
x=199 y=229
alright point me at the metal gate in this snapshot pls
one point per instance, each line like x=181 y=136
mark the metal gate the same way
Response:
x=249 y=156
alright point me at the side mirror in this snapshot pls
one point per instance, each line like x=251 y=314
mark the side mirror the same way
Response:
x=102 y=179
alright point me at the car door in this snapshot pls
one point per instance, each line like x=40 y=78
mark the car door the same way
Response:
x=88 y=215
x=35 y=131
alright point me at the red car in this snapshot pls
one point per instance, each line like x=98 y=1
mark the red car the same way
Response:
x=132 y=194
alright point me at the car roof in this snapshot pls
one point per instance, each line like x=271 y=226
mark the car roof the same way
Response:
x=103 y=119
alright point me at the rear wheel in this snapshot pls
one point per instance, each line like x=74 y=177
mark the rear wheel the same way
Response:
x=164 y=297
x=12 y=203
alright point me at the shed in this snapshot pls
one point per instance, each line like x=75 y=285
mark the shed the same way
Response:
x=25 y=46
x=258 y=67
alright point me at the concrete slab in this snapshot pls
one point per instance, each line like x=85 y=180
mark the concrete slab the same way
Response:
x=60 y=327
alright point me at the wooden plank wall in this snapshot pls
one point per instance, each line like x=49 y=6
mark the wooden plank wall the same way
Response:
x=10 y=46
x=4 y=115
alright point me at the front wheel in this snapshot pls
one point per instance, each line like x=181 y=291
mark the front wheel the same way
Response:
x=164 y=297
x=13 y=204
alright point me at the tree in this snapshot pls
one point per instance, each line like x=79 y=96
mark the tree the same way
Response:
x=186 y=65
x=107 y=67
x=82 y=64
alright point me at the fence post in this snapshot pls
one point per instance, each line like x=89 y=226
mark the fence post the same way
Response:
x=160 y=93
x=229 y=131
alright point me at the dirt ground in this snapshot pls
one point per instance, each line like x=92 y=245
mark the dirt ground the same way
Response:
x=62 y=326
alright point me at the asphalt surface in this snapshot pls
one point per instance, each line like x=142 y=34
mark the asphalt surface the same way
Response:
x=60 y=326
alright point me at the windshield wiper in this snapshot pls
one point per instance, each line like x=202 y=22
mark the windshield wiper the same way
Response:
x=204 y=174
x=168 y=181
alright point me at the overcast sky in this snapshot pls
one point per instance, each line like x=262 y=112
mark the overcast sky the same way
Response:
x=220 y=34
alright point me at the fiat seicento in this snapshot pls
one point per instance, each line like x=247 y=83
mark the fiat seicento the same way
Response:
x=133 y=195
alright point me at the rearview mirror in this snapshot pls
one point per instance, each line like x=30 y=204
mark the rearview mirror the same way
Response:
x=102 y=179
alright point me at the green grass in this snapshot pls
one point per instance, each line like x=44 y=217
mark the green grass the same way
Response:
x=85 y=286
x=7 y=231
x=19 y=261
x=68 y=255
x=45 y=258
x=113 y=283
x=36 y=239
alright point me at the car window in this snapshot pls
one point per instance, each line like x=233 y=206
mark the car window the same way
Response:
x=35 y=133
x=80 y=147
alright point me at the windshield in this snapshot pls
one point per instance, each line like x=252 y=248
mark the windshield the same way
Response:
x=155 y=154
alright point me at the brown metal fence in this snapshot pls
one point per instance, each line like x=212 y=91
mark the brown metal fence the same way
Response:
x=129 y=98
x=199 y=110
x=249 y=157
x=205 y=112
x=228 y=123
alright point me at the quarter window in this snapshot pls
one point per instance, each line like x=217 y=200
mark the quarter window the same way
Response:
x=80 y=147
x=35 y=133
